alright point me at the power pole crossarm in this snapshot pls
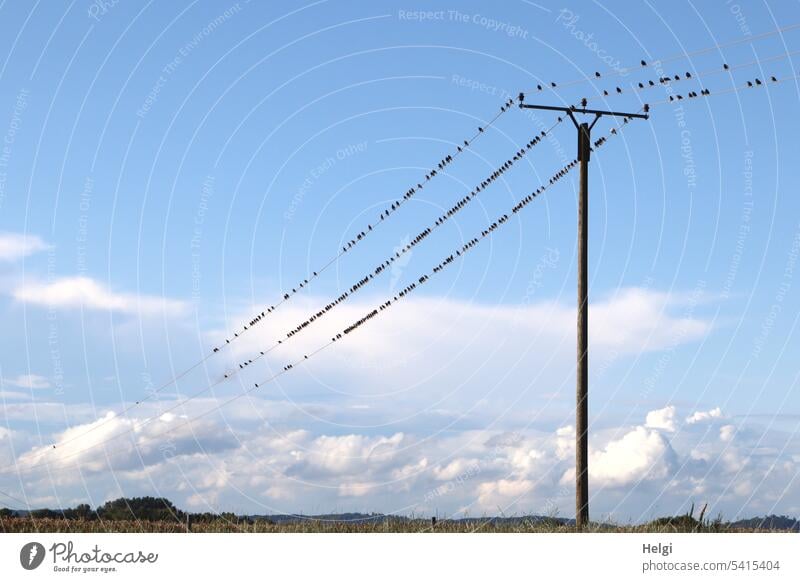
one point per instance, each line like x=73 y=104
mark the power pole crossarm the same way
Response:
x=582 y=370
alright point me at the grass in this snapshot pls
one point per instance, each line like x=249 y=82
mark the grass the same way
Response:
x=387 y=525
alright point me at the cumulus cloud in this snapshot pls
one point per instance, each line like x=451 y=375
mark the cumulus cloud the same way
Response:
x=114 y=442
x=270 y=467
x=663 y=418
x=16 y=246
x=702 y=416
x=70 y=292
x=641 y=454
x=726 y=432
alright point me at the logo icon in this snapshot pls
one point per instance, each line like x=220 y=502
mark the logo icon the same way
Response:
x=31 y=555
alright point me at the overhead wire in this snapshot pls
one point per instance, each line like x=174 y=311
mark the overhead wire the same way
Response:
x=344 y=332
x=461 y=147
x=645 y=63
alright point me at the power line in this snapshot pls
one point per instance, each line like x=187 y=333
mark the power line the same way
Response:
x=672 y=79
x=346 y=331
x=460 y=148
x=382 y=267
x=643 y=64
x=420 y=237
x=389 y=210
x=755 y=83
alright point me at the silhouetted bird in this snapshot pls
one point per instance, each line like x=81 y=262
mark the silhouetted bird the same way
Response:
x=644 y=64
x=597 y=74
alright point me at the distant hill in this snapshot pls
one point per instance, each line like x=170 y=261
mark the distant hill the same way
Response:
x=152 y=509
x=378 y=517
x=770 y=522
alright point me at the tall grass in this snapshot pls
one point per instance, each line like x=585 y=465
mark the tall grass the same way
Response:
x=386 y=525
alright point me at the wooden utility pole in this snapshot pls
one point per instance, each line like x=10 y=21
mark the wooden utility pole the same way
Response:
x=582 y=370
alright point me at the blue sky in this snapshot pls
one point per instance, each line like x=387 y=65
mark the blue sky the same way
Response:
x=169 y=170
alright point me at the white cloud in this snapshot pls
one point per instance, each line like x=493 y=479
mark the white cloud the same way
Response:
x=663 y=419
x=70 y=292
x=16 y=246
x=640 y=454
x=702 y=416
x=726 y=432
x=122 y=443
x=266 y=467
x=30 y=381
x=422 y=336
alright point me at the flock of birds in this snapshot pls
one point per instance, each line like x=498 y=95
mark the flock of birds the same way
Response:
x=393 y=207
x=469 y=245
x=667 y=80
x=458 y=206
x=384 y=265
x=450 y=259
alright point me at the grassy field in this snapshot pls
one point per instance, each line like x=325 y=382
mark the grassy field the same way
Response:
x=50 y=525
